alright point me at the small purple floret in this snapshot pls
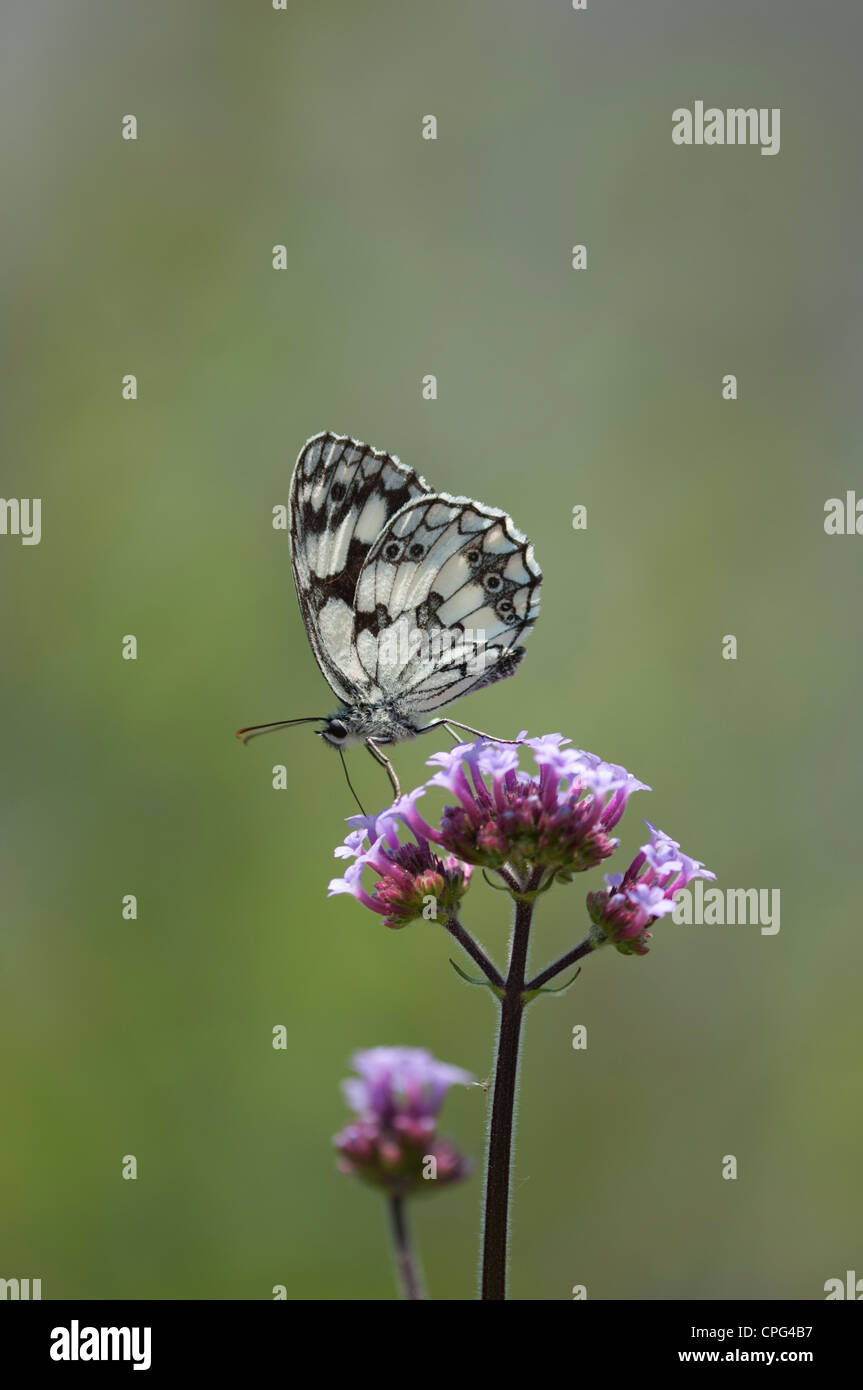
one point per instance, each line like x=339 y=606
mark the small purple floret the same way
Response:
x=633 y=901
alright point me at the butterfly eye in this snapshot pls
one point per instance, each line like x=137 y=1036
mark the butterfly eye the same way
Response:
x=337 y=491
x=472 y=557
x=337 y=729
x=493 y=582
x=416 y=552
x=392 y=550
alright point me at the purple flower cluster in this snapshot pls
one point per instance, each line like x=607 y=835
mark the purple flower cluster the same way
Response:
x=558 y=819
x=632 y=901
x=412 y=881
x=393 y=1142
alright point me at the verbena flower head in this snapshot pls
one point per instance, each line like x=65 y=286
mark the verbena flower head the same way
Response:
x=558 y=817
x=632 y=901
x=397 y=1096
x=412 y=880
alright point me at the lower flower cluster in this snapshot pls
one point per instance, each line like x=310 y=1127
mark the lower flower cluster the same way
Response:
x=393 y=1143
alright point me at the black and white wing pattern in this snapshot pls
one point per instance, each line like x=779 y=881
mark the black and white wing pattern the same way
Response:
x=446 y=594
x=343 y=494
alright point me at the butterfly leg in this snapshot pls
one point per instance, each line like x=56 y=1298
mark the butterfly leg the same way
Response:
x=457 y=738
x=384 y=761
x=450 y=724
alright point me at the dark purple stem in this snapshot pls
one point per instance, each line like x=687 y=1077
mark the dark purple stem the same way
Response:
x=474 y=950
x=496 y=1224
x=582 y=949
x=410 y=1279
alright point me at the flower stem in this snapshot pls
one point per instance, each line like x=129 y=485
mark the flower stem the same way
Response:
x=474 y=950
x=496 y=1223
x=407 y=1264
x=582 y=949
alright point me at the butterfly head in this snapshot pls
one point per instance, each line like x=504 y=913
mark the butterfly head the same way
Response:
x=335 y=731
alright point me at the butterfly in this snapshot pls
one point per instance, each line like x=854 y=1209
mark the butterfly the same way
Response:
x=411 y=598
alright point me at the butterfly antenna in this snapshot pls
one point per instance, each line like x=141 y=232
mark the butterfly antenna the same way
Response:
x=350 y=783
x=257 y=730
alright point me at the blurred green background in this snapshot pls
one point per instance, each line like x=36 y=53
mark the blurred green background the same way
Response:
x=556 y=387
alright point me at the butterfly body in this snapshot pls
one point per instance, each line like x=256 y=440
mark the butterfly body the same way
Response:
x=385 y=723
x=410 y=598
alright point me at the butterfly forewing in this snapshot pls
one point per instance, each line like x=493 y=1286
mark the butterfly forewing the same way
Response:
x=343 y=493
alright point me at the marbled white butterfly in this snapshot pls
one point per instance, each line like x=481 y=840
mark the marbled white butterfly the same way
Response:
x=411 y=598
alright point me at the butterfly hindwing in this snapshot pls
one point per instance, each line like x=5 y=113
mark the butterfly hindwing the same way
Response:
x=343 y=494
x=446 y=593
